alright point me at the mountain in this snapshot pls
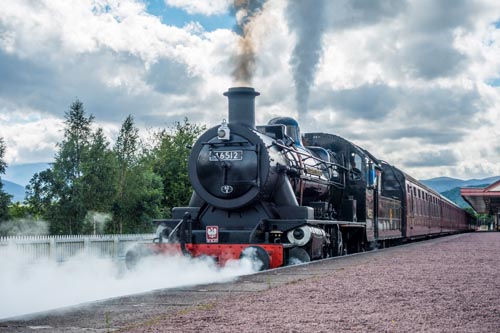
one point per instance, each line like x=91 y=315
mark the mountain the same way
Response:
x=454 y=195
x=21 y=174
x=16 y=190
x=443 y=184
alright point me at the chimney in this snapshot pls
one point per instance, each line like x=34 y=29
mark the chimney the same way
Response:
x=241 y=108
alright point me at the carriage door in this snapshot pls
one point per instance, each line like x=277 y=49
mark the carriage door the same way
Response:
x=411 y=210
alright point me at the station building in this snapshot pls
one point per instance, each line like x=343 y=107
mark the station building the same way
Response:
x=484 y=200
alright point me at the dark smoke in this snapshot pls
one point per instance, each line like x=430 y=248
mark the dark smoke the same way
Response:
x=306 y=20
x=245 y=11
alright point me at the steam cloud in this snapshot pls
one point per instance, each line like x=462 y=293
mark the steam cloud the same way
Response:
x=23 y=227
x=245 y=11
x=27 y=287
x=306 y=19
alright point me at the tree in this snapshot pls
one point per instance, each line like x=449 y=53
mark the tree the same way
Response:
x=58 y=193
x=41 y=193
x=126 y=152
x=98 y=174
x=68 y=168
x=138 y=189
x=169 y=157
x=5 y=199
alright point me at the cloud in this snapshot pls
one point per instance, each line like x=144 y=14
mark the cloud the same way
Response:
x=169 y=77
x=205 y=7
x=400 y=78
x=370 y=101
x=425 y=134
x=431 y=57
x=349 y=14
x=432 y=158
x=29 y=135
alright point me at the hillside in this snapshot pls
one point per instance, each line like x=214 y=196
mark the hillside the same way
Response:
x=443 y=184
x=454 y=195
x=16 y=190
x=21 y=174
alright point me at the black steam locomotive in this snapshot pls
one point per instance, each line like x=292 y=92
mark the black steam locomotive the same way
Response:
x=269 y=192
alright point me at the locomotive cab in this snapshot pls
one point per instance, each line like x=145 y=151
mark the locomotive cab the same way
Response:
x=292 y=129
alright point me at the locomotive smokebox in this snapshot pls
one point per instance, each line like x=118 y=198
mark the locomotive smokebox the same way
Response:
x=241 y=102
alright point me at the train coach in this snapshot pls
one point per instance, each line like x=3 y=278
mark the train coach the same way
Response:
x=280 y=197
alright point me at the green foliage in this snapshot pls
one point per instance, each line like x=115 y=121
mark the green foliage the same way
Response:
x=485 y=219
x=42 y=193
x=68 y=170
x=18 y=211
x=169 y=158
x=3 y=165
x=138 y=189
x=98 y=174
x=137 y=203
x=5 y=199
x=481 y=219
x=91 y=187
x=60 y=193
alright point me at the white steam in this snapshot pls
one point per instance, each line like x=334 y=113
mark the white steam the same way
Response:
x=97 y=221
x=33 y=287
x=23 y=227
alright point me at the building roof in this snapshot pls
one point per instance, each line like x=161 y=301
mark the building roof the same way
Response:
x=483 y=200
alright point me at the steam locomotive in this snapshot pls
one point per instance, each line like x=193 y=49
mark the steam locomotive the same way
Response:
x=281 y=197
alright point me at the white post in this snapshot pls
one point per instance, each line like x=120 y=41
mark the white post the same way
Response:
x=116 y=244
x=52 y=249
x=86 y=245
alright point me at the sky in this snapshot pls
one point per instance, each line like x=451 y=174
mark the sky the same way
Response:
x=416 y=82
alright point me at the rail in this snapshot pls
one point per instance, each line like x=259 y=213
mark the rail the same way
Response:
x=63 y=247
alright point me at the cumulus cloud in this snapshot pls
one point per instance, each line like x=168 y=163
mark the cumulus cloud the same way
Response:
x=432 y=158
x=205 y=7
x=409 y=80
x=113 y=55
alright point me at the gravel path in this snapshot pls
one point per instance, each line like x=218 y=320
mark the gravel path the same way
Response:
x=447 y=285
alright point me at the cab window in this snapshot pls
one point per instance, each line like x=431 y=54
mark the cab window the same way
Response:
x=355 y=167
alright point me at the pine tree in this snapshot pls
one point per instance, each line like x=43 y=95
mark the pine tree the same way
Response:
x=99 y=173
x=58 y=193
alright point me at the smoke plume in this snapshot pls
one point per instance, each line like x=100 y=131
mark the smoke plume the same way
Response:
x=245 y=11
x=305 y=19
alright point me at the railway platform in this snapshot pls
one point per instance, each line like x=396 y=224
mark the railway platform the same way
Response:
x=446 y=284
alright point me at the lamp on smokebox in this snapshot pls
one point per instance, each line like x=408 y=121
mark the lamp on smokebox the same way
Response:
x=223 y=132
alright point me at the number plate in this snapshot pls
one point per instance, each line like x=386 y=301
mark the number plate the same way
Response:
x=226 y=155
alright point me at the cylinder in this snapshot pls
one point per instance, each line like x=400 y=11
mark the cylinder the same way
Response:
x=241 y=106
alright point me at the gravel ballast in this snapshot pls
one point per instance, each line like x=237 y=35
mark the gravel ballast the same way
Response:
x=444 y=285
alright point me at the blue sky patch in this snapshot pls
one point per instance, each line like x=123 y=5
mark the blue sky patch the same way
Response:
x=179 y=18
x=494 y=82
x=497 y=24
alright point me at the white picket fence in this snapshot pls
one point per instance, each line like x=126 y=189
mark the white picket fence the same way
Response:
x=62 y=248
